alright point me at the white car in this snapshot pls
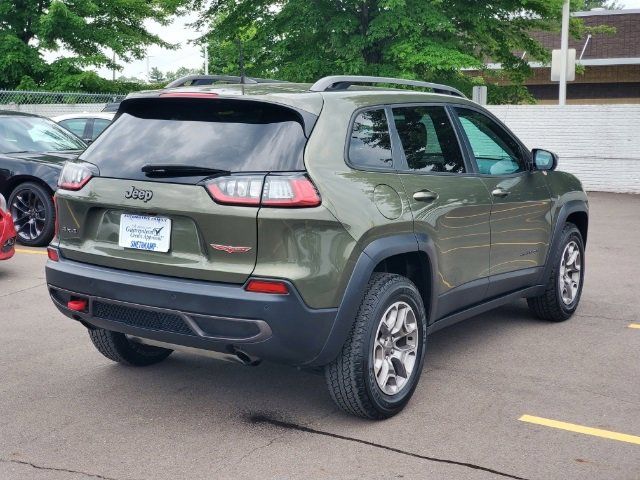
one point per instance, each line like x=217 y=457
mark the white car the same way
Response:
x=86 y=125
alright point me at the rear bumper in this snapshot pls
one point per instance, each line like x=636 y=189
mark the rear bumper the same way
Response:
x=205 y=315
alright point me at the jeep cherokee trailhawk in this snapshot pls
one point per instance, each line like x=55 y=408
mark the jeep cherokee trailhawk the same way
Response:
x=331 y=226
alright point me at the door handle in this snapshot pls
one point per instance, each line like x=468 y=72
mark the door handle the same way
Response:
x=425 y=196
x=498 y=192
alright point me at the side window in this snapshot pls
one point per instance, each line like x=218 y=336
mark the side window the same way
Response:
x=495 y=151
x=75 y=125
x=99 y=126
x=370 y=143
x=428 y=139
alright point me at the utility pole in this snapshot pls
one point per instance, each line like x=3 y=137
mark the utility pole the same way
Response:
x=148 y=78
x=113 y=69
x=564 y=52
x=206 y=59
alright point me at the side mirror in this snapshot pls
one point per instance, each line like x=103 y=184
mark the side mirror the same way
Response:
x=544 y=160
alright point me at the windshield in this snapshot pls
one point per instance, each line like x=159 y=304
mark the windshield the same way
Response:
x=35 y=134
x=234 y=136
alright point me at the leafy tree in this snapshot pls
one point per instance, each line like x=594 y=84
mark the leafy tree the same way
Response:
x=608 y=4
x=181 y=72
x=302 y=40
x=89 y=29
x=155 y=75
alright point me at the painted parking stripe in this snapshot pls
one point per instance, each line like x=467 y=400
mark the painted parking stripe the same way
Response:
x=635 y=325
x=31 y=252
x=572 y=427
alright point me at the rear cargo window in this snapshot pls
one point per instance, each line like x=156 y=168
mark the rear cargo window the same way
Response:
x=233 y=135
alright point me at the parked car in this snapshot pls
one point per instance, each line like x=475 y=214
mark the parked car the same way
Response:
x=87 y=126
x=201 y=80
x=111 y=107
x=327 y=226
x=7 y=232
x=33 y=150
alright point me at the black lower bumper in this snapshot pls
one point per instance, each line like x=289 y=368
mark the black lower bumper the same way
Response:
x=210 y=316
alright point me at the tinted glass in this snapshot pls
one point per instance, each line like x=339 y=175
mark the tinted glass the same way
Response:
x=370 y=144
x=496 y=152
x=75 y=125
x=237 y=136
x=428 y=139
x=35 y=134
x=99 y=126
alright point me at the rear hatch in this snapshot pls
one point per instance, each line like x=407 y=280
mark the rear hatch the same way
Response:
x=174 y=186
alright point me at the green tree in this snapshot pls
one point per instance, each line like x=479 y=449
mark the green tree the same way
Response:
x=155 y=75
x=302 y=40
x=90 y=30
x=608 y=4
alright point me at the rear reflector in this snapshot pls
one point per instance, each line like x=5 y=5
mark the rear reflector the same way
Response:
x=273 y=287
x=53 y=255
x=284 y=191
x=77 y=305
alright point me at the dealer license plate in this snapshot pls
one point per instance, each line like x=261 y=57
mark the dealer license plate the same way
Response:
x=143 y=232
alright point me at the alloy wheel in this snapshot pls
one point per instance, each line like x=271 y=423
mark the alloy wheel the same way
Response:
x=395 y=348
x=570 y=272
x=28 y=212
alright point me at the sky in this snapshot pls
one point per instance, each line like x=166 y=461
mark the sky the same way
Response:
x=187 y=55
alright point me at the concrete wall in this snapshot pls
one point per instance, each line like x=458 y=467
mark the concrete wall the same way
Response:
x=600 y=144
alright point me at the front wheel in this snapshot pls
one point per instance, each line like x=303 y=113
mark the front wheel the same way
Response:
x=380 y=364
x=564 y=286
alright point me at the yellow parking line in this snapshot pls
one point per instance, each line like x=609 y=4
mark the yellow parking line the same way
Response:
x=571 y=427
x=635 y=325
x=32 y=252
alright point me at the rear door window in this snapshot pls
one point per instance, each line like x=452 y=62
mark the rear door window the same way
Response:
x=370 y=142
x=99 y=126
x=428 y=139
x=230 y=135
x=75 y=125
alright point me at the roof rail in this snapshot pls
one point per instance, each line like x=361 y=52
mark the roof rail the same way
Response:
x=342 y=82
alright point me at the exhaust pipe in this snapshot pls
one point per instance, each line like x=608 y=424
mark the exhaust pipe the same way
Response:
x=247 y=359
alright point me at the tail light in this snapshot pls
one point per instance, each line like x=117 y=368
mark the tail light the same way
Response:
x=53 y=254
x=284 y=191
x=3 y=204
x=75 y=175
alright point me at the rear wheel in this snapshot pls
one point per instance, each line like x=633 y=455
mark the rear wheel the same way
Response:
x=33 y=212
x=117 y=347
x=380 y=364
x=564 y=286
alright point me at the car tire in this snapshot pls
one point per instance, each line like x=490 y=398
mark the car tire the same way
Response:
x=31 y=206
x=117 y=347
x=353 y=377
x=563 y=288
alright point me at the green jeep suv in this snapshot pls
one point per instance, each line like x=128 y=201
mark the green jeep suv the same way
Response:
x=332 y=226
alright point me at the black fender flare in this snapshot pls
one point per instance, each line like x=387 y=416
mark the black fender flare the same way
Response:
x=567 y=209
x=374 y=253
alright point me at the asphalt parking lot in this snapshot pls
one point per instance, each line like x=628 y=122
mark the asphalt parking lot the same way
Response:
x=502 y=396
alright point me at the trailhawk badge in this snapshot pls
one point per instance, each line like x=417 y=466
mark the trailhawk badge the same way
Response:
x=230 y=248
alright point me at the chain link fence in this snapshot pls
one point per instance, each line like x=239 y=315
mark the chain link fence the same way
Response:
x=50 y=104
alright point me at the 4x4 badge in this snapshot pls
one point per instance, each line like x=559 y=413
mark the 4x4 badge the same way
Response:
x=230 y=248
x=137 y=194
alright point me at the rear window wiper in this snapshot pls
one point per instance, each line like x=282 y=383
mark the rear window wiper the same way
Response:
x=157 y=170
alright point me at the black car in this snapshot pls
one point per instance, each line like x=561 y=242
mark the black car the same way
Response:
x=33 y=151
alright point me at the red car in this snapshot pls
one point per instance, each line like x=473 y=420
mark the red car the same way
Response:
x=7 y=232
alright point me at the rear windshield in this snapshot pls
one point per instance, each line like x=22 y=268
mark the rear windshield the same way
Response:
x=233 y=135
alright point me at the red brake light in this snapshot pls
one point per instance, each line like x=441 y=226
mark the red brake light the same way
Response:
x=189 y=94
x=273 y=287
x=284 y=191
x=53 y=254
x=74 y=176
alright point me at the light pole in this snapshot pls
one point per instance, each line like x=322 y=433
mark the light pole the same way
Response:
x=564 y=52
